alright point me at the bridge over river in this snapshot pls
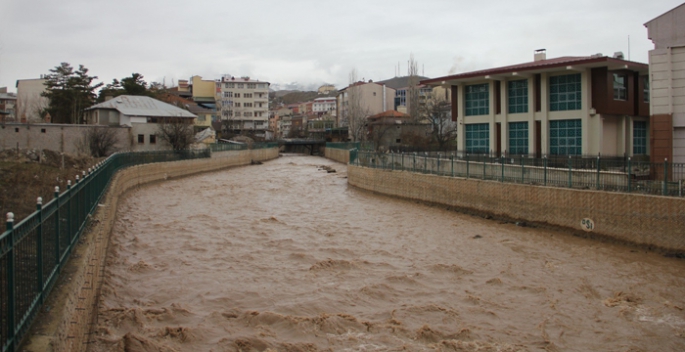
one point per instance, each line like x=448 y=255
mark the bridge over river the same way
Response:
x=285 y=256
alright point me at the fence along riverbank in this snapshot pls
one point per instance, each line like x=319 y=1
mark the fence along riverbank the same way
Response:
x=34 y=251
x=516 y=192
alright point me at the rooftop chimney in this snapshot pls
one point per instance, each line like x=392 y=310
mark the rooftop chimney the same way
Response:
x=540 y=55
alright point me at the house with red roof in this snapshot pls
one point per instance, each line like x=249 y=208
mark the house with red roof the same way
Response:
x=585 y=105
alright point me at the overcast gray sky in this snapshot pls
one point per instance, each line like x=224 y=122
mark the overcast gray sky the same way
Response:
x=309 y=42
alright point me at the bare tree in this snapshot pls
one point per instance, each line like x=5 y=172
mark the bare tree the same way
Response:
x=99 y=141
x=178 y=132
x=437 y=111
x=413 y=89
x=355 y=112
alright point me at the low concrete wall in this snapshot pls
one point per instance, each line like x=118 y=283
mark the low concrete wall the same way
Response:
x=74 y=301
x=339 y=155
x=652 y=221
x=57 y=137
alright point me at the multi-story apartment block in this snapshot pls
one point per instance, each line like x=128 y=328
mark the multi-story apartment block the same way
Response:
x=243 y=104
x=324 y=106
x=667 y=83
x=563 y=106
x=370 y=98
x=30 y=102
x=8 y=101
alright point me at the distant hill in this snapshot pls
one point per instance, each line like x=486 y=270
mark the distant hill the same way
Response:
x=294 y=97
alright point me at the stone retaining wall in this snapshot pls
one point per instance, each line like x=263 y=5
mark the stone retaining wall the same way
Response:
x=653 y=221
x=339 y=155
x=73 y=303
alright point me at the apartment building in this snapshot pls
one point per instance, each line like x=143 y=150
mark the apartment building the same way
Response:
x=324 y=106
x=30 y=102
x=667 y=83
x=8 y=102
x=369 y=97
x=243 y=105
x=585 y=105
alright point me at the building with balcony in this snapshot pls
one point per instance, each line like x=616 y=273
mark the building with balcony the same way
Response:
x=243 y=106
x=8 y=102
x=324 y=106
x=585 y=105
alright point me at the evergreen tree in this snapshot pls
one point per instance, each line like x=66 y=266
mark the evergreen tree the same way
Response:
x=69 y=92
x=134 y=85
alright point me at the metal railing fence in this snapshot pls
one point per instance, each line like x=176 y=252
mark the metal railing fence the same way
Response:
x=33 y=251
x=222 y=147
x=598 y=173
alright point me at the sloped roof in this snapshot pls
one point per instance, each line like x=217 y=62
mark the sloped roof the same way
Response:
x=400 y=82
x=133 y=105
x=542 y=65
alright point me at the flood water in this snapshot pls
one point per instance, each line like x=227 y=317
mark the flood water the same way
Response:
x=287 y=257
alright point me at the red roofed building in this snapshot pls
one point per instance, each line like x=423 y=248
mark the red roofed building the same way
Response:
x=563 y=106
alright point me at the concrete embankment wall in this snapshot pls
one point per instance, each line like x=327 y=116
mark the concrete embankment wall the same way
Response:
x=339 y=155
x=652 y=221
x=73 y=302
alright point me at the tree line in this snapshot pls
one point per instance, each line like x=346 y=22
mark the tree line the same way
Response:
x=70 y=91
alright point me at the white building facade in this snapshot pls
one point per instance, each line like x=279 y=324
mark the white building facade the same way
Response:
x=243 y=105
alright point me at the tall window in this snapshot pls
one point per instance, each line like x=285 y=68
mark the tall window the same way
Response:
x=639 y=137
x=564 y=92
x=477 y=100
x=518 y=96
x=518 y=138
x=478 y=138
x=645 y=89
x=620 y=89
x=565 y=137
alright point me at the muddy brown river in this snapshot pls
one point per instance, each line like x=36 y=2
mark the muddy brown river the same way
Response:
x=287 y=257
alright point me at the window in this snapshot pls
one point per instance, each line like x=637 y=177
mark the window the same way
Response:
x=477 y=100
x=645 y=89
x=42 y=130
x=228 y=94
x=16 y=129
x=398 y=140
x=620 y=91
x=153 y=139
x=247 y=105
x=639 y=137
x=230 y=85
x=247 y=95
x=239 y=85
x=518 y=96
x=247 y=114
x=251 y=86
x=564 y=92
x=478 y=138
x=565 y=137
x=237 y=105
x=141 y=139
x=237 y=95
x=518 y=138
x=201 y=118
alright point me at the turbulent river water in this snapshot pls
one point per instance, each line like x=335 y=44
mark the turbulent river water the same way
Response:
x=285 y=256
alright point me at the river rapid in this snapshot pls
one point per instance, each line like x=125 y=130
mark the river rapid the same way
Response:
x=285 y=256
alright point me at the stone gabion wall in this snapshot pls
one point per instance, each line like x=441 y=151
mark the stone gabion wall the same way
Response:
x=74 y=301
x=653 y=221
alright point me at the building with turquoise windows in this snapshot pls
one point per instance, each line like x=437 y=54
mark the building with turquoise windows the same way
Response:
x=584 y=105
